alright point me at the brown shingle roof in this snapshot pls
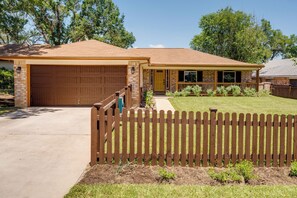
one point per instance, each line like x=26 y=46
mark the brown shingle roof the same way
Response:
x=83 y=49
x=185 y=56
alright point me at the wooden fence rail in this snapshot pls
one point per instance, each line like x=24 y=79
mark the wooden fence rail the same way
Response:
x=192 y=139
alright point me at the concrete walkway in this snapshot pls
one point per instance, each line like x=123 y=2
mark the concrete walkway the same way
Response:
x=43 y=151
x=162 y=103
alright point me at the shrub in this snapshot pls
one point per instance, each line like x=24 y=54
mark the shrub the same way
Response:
x=210 y=92
x=250 y=92
x=186 y=91
x=234 y=90
x=6 y=80
x=166 y=175
x=177 y=94
x=245 y=169
x=293 y=169
x=227 y=176
x=149 y=99
x=196 y=90
x=263 y=93
x=169 y=93
x=222 y=91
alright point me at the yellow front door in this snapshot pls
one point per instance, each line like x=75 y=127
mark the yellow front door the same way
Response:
x=159 y=80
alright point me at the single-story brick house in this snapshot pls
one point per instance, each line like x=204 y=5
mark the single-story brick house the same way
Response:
x=82 y=73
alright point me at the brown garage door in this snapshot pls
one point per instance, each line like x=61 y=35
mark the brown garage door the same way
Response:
x=74 y=85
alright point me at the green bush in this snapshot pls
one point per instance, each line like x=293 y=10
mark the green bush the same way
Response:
x=293 y=169
x=234 y=90
x=222 y=91
x=185 y=93
x=227 y=176
x=149 y=99
x=250 y=92
x=169 y=93
x=210 y=92
x=177 y=94
x=263 y=93
x=196 y=90
x=245 y=169
x=166 y=175
x=6 y=80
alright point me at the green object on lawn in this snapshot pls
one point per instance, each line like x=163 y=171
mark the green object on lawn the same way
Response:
x=121 y=104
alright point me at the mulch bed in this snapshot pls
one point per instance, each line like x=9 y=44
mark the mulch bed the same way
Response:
x=135 y=174
x=6 y=100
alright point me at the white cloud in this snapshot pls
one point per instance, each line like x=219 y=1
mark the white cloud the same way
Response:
x=156 y=46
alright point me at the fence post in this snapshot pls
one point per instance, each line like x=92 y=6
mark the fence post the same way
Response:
x=117 y=95
x=212 y=135
x=94 y=136
x=130 y=95
x=127 y=105
x=98 y=106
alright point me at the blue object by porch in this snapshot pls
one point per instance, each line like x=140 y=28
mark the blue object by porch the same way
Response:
x=121 y=104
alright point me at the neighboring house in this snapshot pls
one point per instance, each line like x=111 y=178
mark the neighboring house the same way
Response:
x=280 y=72
x=82 y=73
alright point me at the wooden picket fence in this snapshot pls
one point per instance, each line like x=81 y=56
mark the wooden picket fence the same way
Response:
x=192 y=139
x=286 y=91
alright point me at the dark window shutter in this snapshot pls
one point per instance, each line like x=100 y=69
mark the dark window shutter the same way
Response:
x=199 y=76
x=180 y=76
x=220 y=76
x=238 y=76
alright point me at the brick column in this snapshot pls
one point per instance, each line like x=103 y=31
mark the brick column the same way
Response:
x=134 y=80
x=20 y=84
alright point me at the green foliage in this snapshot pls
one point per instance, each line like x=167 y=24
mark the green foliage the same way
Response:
x=293 y=169
x=250 y=92
x=177 y=94
x=222 y=91
x=263 y=93
x=6 y=80
x=169 y=93
x=234 y=90
x=242 y=171
x=237 y=35
x=196 y=90
x=186 y=91
x=245 y=169
x=149 y=99
x=59 y=22
x=210 y=92
x=166 y=175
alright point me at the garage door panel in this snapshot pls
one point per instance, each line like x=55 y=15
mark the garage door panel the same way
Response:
x=74 y=85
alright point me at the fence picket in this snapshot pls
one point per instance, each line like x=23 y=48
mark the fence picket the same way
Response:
x=234 y=138
x=183 y=138
x=139 y=137
x=102 y=136
x=248 y=137
x=169 y=139
x=191 y=138
x=275 y=140
x=289 y=140
x=295 y=138
x=117 y=136
x=198 y=139
x=94 y=136
x=124 y=136
x=147 y=137
x=240 y=136
x=212 y=137
x=261 y=141
x=132 y=136
x=268 y=140
x=161 y=145
x=154 y=138
x=205 y=139
x=220 y=139
x=109 y=135
x=282 y=140
x=227 y=140
x=255 y=139
x=176 y=138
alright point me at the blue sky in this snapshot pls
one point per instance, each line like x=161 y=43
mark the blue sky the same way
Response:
x=173 y=23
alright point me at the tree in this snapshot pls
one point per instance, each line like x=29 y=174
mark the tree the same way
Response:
x=64 y=21
x=231 y=34
x=291 y=48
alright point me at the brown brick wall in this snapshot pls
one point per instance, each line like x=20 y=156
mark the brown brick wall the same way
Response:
x=20 y=84
x=134 y=80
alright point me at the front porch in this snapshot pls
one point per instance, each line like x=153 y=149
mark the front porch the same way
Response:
x=162 y=80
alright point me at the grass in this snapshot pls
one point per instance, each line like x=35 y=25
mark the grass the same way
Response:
x=266 y=105
x=7 y=110
x=146 y=190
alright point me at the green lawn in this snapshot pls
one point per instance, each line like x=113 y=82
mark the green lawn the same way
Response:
x=7 y=109
x=266 y=105
x=146 y=190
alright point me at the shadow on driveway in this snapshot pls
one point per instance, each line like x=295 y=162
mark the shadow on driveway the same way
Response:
x=25 y=113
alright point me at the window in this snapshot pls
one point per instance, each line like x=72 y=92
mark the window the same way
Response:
x=229 y=76
x=190 y=76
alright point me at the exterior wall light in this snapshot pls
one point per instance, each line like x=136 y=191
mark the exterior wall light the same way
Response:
x=132 y=69
x=18 y=69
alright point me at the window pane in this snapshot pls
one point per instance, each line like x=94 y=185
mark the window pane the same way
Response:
x=190 y=76
x=199 y=76
x=229 y=76
x=181 y=76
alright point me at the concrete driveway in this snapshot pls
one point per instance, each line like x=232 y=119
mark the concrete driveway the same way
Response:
x=43 y=151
